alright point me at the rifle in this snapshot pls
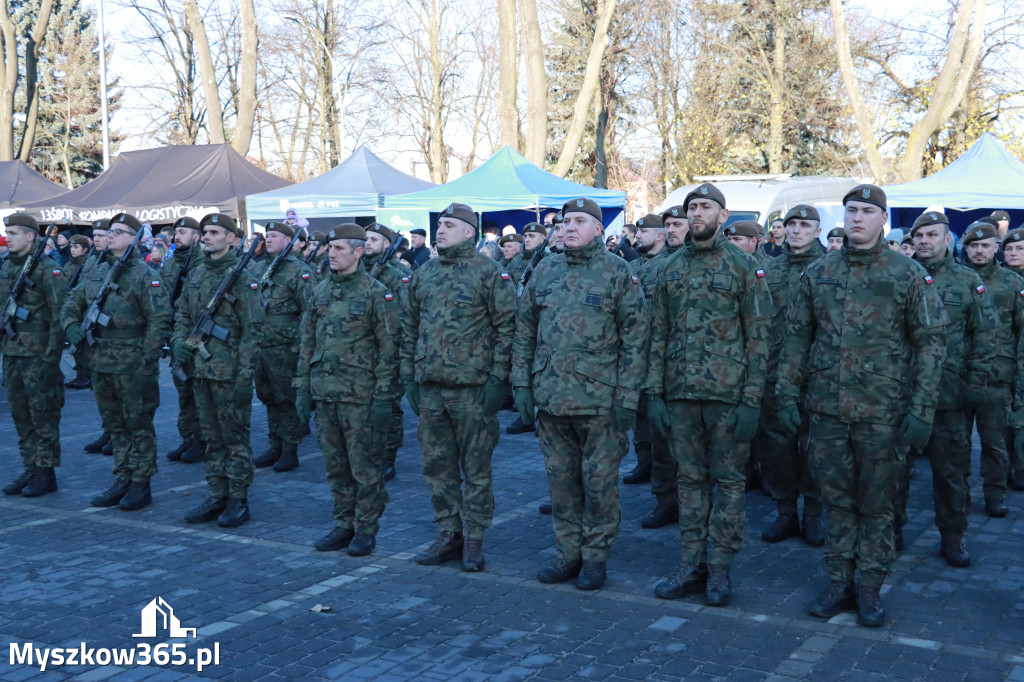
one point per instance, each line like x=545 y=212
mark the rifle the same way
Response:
x=535 y=259
x=95 y=316
x=205 y=327
x=312 y=254
x=179 y=280
x=388 y=254
x=276 y=263
x=81 y=266
x=12 y=310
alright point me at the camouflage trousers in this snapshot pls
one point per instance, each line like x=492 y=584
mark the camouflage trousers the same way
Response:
x=352 y=463
x=783 y=459
x=582 y=454
x=949 y=451
x=996 y=439
x=127 y=409
x=457 y=443
x=396 y=431
x=858 y=467
x=224 y=421
x=35 y=393
x=188 y=419
x=652 y=447
x=275 y=369
x=899 y=511
x=712 y=480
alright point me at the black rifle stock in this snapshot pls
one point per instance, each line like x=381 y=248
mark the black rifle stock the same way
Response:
x=388 y=254
x=268 y=274
x=313 y=254
x=94 y=316
x=535 y=259
x=12 y=309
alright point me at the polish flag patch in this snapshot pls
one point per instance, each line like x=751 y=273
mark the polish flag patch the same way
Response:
x=254 y=286
x=388 y=297
x=155 y=283
x=57 y=273
x=405 y=280
x=505 y=276
x=635 y=280
x=928 y=279
x=1022 y=292
x=980 y=288
x=305 y=275
x=760 y=274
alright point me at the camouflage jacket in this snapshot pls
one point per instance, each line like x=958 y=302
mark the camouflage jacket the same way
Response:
x=140 y=317
x=970 y=337
x=1006 y=290
x=72 y=266
x=169 y=272
x=520 y=262
x=709 y=325
x=866 y=334
x=92 y=261
x=284 y=298
x=41 y=334
x=647 y=269
x=395 y=276
x=783 y=276
x=230 y=360
x=581 y=334
x=458 y=325
x=347 y=349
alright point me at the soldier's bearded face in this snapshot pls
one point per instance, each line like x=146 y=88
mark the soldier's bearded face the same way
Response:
x=580 y=229
x=647 y=238
x=19 y=240
x=982 y=251
x=1013 y=253
x=835 y=243
x=675 y=231
x=930 y=242
x=215 y=240
x=276 y=241
x=705 y=217
x=533 y=240
x=864 y=223
x=184 y=237
x=375 y=244
x=452 y=231
x=801 y=234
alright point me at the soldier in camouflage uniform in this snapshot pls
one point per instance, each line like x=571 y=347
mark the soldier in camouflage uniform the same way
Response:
x=124 y=360
x=186 y=239
x=676 y=227
x=1013 y=253
x=285 y=294
x=222 y=383
x=784 y=454
x=533 y=237
x=970 y=350
x=709 y=346
x=79 y=247
x=31 y=359
x=394 y=275
x=743 y=235
x=456 y=345
x=348 y=364
x=1006 y=289
x=836 y=239
x=511 y=246
x=578 y=356
x=865 y=335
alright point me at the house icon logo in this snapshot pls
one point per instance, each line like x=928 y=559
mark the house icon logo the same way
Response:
x=159 y=612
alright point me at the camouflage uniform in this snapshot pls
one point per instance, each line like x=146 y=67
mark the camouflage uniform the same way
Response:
x=223 y=417
x=457 y=332
x=188 y=419
x=709 y=333
x=519 y=263
x=865 y=335
x=124 y=359
x=347 y=359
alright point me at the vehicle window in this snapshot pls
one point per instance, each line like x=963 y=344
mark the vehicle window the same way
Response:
x=742 y=215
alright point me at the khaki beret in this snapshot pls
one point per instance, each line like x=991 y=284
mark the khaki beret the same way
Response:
x=929 y=218
x=978 y=230
x=505 y=239
x=651 y=220
x=869 y=194
x=582 y=205
x=908 y=239
x=535 y=228
x=801 y=212
x=559 y=218
x=836 y=232
x=284 y=228
x=319 y=236
x=128 y=220
x=346 y=231
x=81 y=240
x=1015 y=235
x=102 y=224
x=459 y=212
x=705 y=191
x=220 y=220
x=1001 y=215
x=22 y=220
x=382 y=230
x=190 y=223
x=673 y=212
x=742 y=228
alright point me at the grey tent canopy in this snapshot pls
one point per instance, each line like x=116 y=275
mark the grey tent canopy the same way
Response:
x=19 y=184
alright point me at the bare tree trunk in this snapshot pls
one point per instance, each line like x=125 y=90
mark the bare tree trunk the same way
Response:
x=246 y=77
x=951 y=85
x=28 y=132
x=214 y=115
x=601 y=135
x=508 y=74
x=591 y=81
x=777 y=92
x=438 y=153
x=536 y=83
x=8 y=84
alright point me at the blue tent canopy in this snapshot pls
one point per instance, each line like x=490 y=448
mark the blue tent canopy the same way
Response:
x=355 y=187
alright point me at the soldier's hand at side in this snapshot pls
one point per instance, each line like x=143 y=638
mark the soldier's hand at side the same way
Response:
x=524 y=405
x=182 y=352
x=789 y=419
x=743 y=422
x=623 y=418
x=915 y=432
x=493 y=396
x=380 y=414
x=74 y=334
x=412 y=392
x=657 y=414
x=304 y=405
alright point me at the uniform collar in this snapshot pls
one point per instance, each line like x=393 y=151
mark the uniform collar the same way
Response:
x=586 y=253
x=986 y=270
x=940 y=264
x=868 y=255
x=339 y=278
x=461 y=251
x=805 y=257
x=716 y=244
x=226 y=262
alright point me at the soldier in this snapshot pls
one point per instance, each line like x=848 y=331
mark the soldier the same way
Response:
x=836 y=238
x=578 y=357
x=743 y=235
x=124 y=359
x=31 y=351
x=187 y=234
x=79 y=245
x=676 y=227
x=456 y=343
x=784 y=454
x=970 y=349
x=907 y=246
x=285 y=294
x=511 y=245
x=394 y=275
x=875 y=323
x=1002 y=221
x=1006 y=290
x=557 y=242
x=1013 y=251
x=533 y=237
x=709 y=334
x=348 y=364
x=222 y=382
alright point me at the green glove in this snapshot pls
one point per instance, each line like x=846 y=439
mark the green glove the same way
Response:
x=492 y=397
x=303 y=404
x=380 y=415
x=623 y=418
x=524 y=404
x=789 y=419
x=74 y=334
x=182 y=352
x=657 y=414
x=412 y=392
x=243 y=391
x=916 y=432
x=743 y=422
x=1018 y=442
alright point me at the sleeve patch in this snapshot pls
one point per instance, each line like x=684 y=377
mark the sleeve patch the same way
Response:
x=305 y=275
x=634 y=278
x=253 y=286
x=1022 y=292
x=980 y=288
x=928 y=279
x=155 y=283
x=760 y=274
x=405 y=280
x=388 y=297
x=505 y=276
x=57 y=272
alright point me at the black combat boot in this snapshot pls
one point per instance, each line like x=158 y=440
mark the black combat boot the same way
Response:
x=870 y=612
x=235 y=514
x=79 y=382
x=1016 y=480
x=139 y=495
x=195 y=453
x=446 y=547
x=996 y=508
x=664 y=513
x=545 y=507
x=897 y=538
x=473 y=555
x=210 y=509
x=268 y=458
x=954 y=552
x=517 y=427
x=96 y=446
x=338 y=538
x=785 y=526
x=813 y=531
x=719 y=589
x=17 y=485
x=43 y=481
x=840 y=595
x=685 y=579
x=108 y=448
x=175 y=454
x=289 y=459
x=112 y=496
x=387 y=469
x=559 y=571
x=362 y=544
x=641 y=473
x=592 y=576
